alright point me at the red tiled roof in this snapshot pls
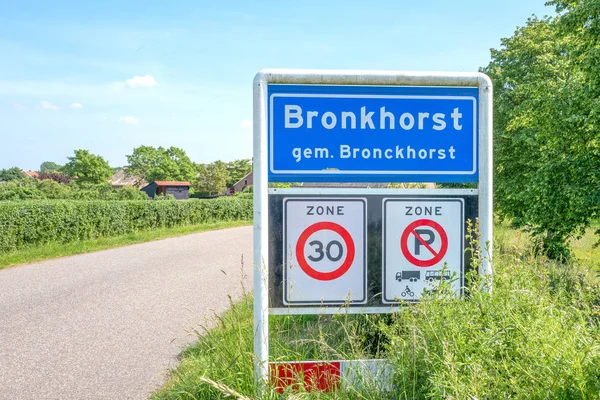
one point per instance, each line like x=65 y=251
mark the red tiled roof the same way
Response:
x=172 y=183
x=32 y=174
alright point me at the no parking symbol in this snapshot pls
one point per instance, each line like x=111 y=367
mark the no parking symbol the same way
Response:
x=423 y=233
x=423 y=244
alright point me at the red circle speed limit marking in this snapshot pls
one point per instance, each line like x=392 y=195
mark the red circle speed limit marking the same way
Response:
x=346 y=264
x=421 y=241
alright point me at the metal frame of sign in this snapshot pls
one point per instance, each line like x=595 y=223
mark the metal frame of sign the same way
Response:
x=261 y=165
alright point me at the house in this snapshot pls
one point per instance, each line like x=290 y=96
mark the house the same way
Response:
x=31 y=174
x=121 y=179
x=241 y=184
x=180 y=190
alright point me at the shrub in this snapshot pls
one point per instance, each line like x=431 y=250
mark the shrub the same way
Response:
x=29 y=223
x=129 y=193
x=534 y=337
x=92 y=191
x=20 y=190
x=54 y=190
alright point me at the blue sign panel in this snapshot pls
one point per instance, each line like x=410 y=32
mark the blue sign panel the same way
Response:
x=372 y=133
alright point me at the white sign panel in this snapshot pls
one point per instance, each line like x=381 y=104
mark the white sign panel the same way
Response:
x=324 y=241
x=423 y=244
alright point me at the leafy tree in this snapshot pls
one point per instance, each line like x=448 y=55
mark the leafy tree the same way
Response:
x=212 y=178
x=86 y=167
x=237 y=169
x=12 y=174
x=160 y=164
x=55 y=176
x=546 y=128
x=48 y=167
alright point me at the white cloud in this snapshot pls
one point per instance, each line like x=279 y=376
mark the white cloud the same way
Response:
x=46 y=105
x=76 y=106
x=141 y=81
x=129 y=120
x=246 y=123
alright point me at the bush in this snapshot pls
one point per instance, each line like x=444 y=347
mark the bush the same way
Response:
x=129 y=193
x=20 y=190
x=535 y=337
x=30 y=223
x=54 y=190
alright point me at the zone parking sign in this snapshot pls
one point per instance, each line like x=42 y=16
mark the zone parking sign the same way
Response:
x=423 y=245
x=324 y=246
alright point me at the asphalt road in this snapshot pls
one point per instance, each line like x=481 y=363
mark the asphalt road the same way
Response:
x=109 y=325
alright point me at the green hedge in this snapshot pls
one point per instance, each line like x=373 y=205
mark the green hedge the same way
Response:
x=26 y=223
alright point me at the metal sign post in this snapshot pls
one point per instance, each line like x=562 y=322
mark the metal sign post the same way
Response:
x=310 y=245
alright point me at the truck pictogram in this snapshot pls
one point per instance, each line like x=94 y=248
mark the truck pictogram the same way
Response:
x=411 y=276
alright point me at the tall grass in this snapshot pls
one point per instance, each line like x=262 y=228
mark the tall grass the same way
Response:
x=536 y=337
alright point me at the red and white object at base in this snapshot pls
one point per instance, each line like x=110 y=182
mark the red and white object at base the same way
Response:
x=329 y=376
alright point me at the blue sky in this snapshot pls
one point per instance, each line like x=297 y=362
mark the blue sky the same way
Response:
x=109 y=75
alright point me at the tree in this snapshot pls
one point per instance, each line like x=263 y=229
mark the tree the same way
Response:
x=160 y=164
x=55 y=176
x=12 y=174
x=546 y=130
x=86 y=167
x=49 y=167
x=212 y=178
x=237 y=169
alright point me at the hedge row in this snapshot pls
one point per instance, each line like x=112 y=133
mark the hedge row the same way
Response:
x=26 y=223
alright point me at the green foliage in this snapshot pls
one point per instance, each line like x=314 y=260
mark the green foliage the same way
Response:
x=88 y=168
x=162 y=196
x=49 y=167
x=547 y=127
x=212 y=178
x=20 y=190
x=161 y=164
x=12 y=174
x=30 y=223
x=129 y=193
x=535 y=337
x=92 y=191
x=32 y=189
x=244 y=195
x=54 y=190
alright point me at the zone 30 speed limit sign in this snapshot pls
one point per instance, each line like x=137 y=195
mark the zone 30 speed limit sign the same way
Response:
x=324 y=251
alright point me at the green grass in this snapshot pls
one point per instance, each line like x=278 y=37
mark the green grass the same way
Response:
x=536 y=337
x=55 y=250
x=585 y=249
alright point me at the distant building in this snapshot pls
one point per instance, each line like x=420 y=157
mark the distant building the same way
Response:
x=180 y=190
x=122 y=179
x=32 y=174
x=241 y=184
